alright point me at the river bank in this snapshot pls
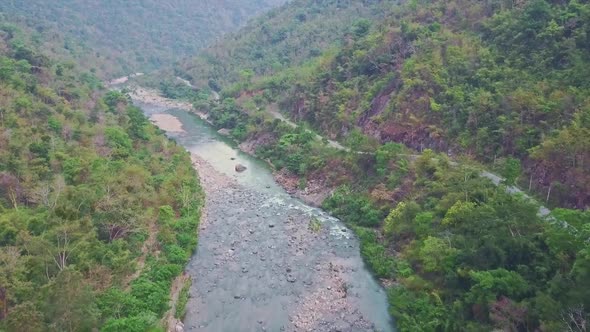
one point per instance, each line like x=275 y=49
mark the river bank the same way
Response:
x=315 y=191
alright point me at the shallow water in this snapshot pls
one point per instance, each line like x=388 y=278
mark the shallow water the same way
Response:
x=258 y=266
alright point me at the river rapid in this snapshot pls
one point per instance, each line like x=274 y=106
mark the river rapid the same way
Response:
x=266 y=261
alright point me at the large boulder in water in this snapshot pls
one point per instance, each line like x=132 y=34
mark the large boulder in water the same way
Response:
x=240 y=168
x=224 y=131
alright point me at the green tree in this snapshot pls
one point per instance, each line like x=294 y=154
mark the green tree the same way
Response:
x=69 y=303
x=437 y=255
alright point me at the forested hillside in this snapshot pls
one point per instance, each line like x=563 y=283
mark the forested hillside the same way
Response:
x=98 y=209
x=500 y=85
x=459 y=77
x=281 y=39
x=120 y=37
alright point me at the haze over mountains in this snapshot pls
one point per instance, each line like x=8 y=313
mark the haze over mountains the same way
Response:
x=128 y=36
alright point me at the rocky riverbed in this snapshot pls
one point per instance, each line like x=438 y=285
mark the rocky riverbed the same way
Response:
x=266 y=261
x=261 y=267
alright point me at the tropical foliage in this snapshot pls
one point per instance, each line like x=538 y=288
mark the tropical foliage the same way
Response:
x=98 y=209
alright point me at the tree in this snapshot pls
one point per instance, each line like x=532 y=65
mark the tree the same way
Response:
x=399 y=221
x=489 y=285
x=437 y=255
x=12 y=276
x=70 y=303
x=119 y=141
x=137 y=123
x=511 y=170
x=387 y=157
x=25 y=317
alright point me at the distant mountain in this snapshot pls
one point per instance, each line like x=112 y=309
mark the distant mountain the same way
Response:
x=134 y=35
x=280 y=39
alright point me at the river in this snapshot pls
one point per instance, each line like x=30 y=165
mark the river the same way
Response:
x=266 y=261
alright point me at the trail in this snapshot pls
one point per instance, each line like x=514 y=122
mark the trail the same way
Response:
x=494 y=178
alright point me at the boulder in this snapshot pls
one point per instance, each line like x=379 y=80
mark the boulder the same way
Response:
x=240 y=168
x=224 y=131
x=179 y=327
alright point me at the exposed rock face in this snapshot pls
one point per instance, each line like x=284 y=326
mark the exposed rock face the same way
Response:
x=249 y=146
x=314 y=193
x=240 y=168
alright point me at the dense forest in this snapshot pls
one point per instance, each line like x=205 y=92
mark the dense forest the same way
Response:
x=425 y=95
x=120 y=37
x=98 y=209
x=278 y=40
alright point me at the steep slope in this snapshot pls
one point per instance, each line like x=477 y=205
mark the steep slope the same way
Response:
x=98 y=209
x=467 y=78
x=459 y=77
x=135 y=35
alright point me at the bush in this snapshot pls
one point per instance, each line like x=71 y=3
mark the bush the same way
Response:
x=353 y=208
x=140 y=323
x=374 y=253
x=176 y=255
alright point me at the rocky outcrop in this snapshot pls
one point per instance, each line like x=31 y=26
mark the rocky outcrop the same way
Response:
x=314 y=193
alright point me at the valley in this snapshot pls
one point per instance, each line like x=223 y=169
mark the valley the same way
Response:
x=302 y=165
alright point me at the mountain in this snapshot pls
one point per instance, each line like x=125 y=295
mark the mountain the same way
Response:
x=129 y=36
x=502 y=83
x=280 y=39
x=93 y=228
x=425 y=96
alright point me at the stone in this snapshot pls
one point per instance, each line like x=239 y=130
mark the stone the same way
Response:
x=224 y=131
x=240 y=168
x=179 y=327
